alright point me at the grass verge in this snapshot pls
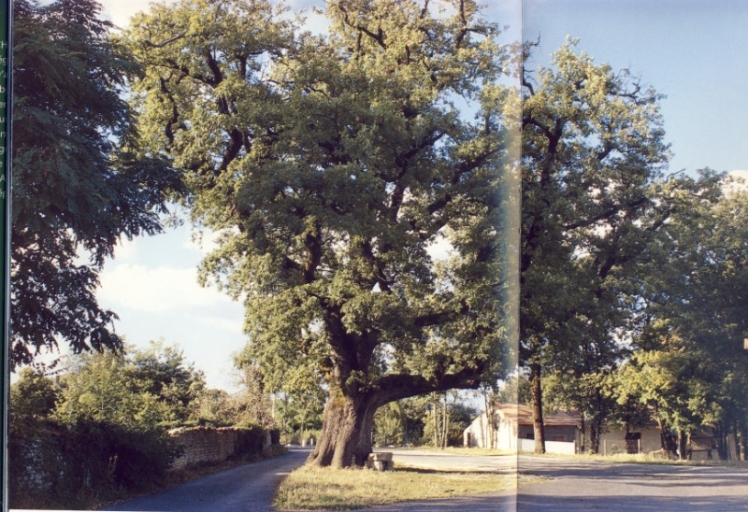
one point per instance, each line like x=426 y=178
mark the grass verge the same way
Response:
x=347 y=489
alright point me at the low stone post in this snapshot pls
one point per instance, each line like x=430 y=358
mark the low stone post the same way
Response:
x=380 y=461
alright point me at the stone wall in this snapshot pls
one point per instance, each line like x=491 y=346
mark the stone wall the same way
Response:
x=202 y=444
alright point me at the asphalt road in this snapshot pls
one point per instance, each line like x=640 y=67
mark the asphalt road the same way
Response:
x=571 y=485
x=568 y=485
x=585 y=485
x=247 y=488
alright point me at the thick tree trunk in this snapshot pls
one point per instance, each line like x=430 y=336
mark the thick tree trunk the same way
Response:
x=537 y=408
x=347 y=424
x=666 y=438
x=582 y=439
x=681 y=444
x=594 y=437
x=345 y=439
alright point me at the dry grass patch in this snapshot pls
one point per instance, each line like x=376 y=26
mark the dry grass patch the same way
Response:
x=324 y=488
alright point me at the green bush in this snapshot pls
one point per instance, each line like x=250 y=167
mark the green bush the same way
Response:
x=85 y=462
x=250 y=441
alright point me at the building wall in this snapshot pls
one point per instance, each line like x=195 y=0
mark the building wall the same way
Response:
x=614 y=442
x=560 y=447
x=478 y=434
x=214 y=444
x=507 y=434
x=564 y=434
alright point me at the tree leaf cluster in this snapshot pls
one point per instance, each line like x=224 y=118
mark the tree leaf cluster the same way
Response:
x=81 y=181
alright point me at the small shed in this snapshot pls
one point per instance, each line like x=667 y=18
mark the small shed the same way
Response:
x=511 y=427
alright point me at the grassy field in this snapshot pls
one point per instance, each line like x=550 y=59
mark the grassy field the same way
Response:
x=325 y=488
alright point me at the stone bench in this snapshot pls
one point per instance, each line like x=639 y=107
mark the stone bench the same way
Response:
x=380 y=461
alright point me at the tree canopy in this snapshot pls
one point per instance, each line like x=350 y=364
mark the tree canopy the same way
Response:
x=593 y=162
x=333 y=166
x=148 y=388
x=80 y=180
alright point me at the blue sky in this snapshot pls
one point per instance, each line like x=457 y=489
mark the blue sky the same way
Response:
x=692 y=51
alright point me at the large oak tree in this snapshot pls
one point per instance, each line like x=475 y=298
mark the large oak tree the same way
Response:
x=593 y=159
x=332 y=166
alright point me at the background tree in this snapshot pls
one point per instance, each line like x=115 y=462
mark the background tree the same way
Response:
x=592 y=163
x=690 y=364
x=389 y=425
x=446 y=420
x=86 y=436
x=140 y=390
x=253 y=402
x=515 y=389
x=293 y=394
x=79 y=180
x=33 y=398
x=161 y=370
x=332 y=166
x=212 y=408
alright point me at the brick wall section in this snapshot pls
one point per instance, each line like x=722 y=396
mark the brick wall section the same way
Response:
x=202 y=444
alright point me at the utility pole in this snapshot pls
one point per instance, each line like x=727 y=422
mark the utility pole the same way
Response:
x=6 y=43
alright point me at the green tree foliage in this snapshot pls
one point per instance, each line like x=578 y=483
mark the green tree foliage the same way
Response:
x=79 y=465
x=32 y=399
x=98 y=429
x=211 y=408
x=332 y=165
x=389 y=425
x=297 y=398
x=253 y=402
x=593 y=200
x=162 y=371
x=147 y=389
x=515 y=389
x=690 y=366
x=80 y=182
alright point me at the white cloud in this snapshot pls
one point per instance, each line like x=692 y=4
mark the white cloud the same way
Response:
x=126 y=250
x=120 y=11
x=203 y=240
x=155 y=289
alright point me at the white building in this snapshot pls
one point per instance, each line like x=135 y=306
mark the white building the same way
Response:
x=511 y=429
